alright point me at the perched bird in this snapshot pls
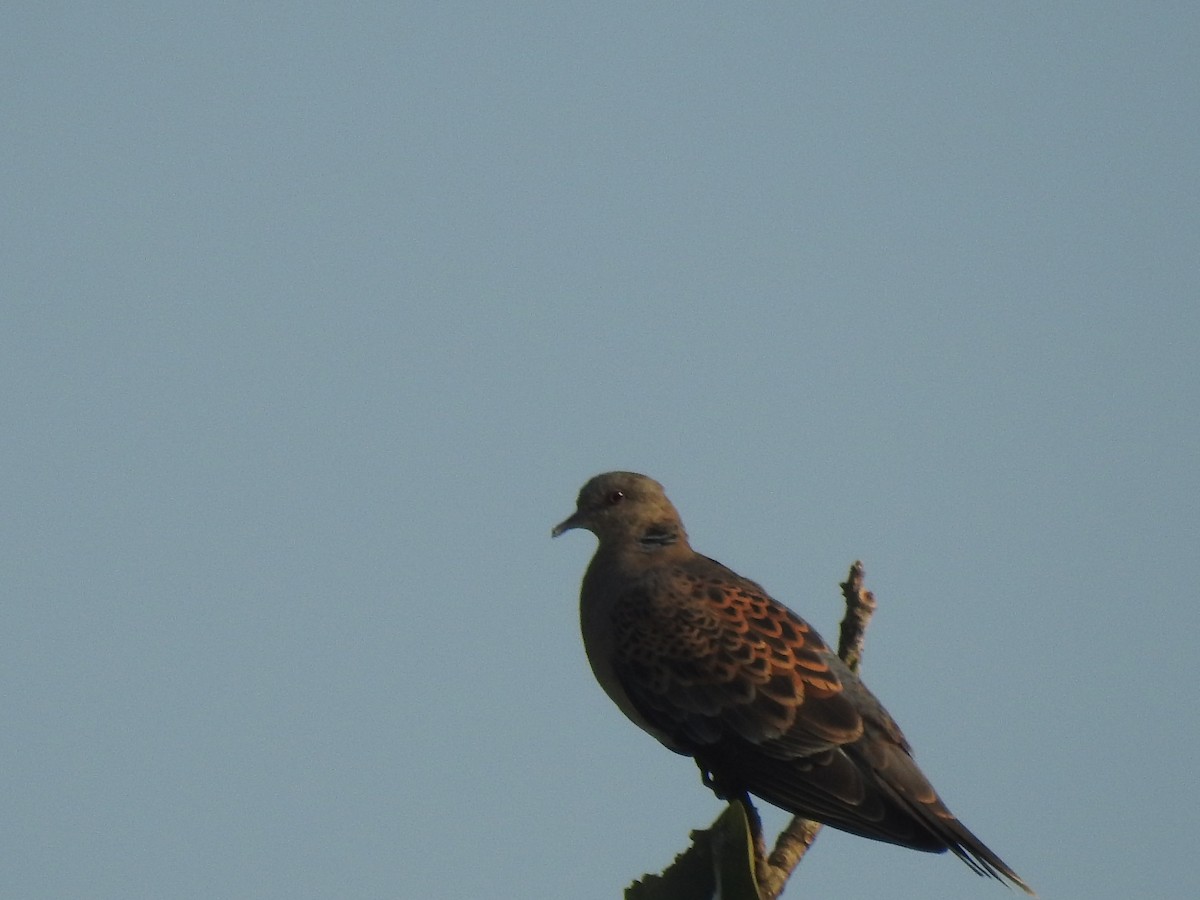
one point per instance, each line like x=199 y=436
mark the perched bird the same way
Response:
x=707 y=662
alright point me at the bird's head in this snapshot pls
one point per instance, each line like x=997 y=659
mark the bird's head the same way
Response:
x=625 y=507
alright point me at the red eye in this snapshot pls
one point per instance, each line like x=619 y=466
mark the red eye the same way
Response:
x=615 y=497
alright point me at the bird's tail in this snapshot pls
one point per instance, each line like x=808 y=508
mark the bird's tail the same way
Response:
x=910 y=790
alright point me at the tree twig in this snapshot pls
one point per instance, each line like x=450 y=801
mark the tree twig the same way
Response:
x=793 y=842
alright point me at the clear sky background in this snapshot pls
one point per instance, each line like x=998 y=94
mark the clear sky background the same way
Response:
x=314 y=318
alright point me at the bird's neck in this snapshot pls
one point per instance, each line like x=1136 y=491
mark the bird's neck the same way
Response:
x=655 y=544
x=659 y=536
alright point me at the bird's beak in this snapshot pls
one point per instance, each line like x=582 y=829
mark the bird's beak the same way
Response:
x=571 y=521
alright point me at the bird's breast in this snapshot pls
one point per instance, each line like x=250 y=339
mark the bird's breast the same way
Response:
x=597 y=603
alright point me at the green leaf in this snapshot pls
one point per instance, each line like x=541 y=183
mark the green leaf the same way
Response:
x=719 y=864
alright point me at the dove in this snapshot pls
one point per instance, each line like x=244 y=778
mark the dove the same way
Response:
x=714 y=668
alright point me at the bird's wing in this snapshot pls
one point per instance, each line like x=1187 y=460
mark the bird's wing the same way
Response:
x=748 y=688
x=706 y=656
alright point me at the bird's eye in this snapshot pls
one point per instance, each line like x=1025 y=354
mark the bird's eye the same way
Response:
x=615 y=497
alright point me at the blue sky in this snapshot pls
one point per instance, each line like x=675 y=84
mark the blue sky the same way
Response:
x=314 y=318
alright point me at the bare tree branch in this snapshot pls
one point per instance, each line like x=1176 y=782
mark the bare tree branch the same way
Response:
x=793 y=842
